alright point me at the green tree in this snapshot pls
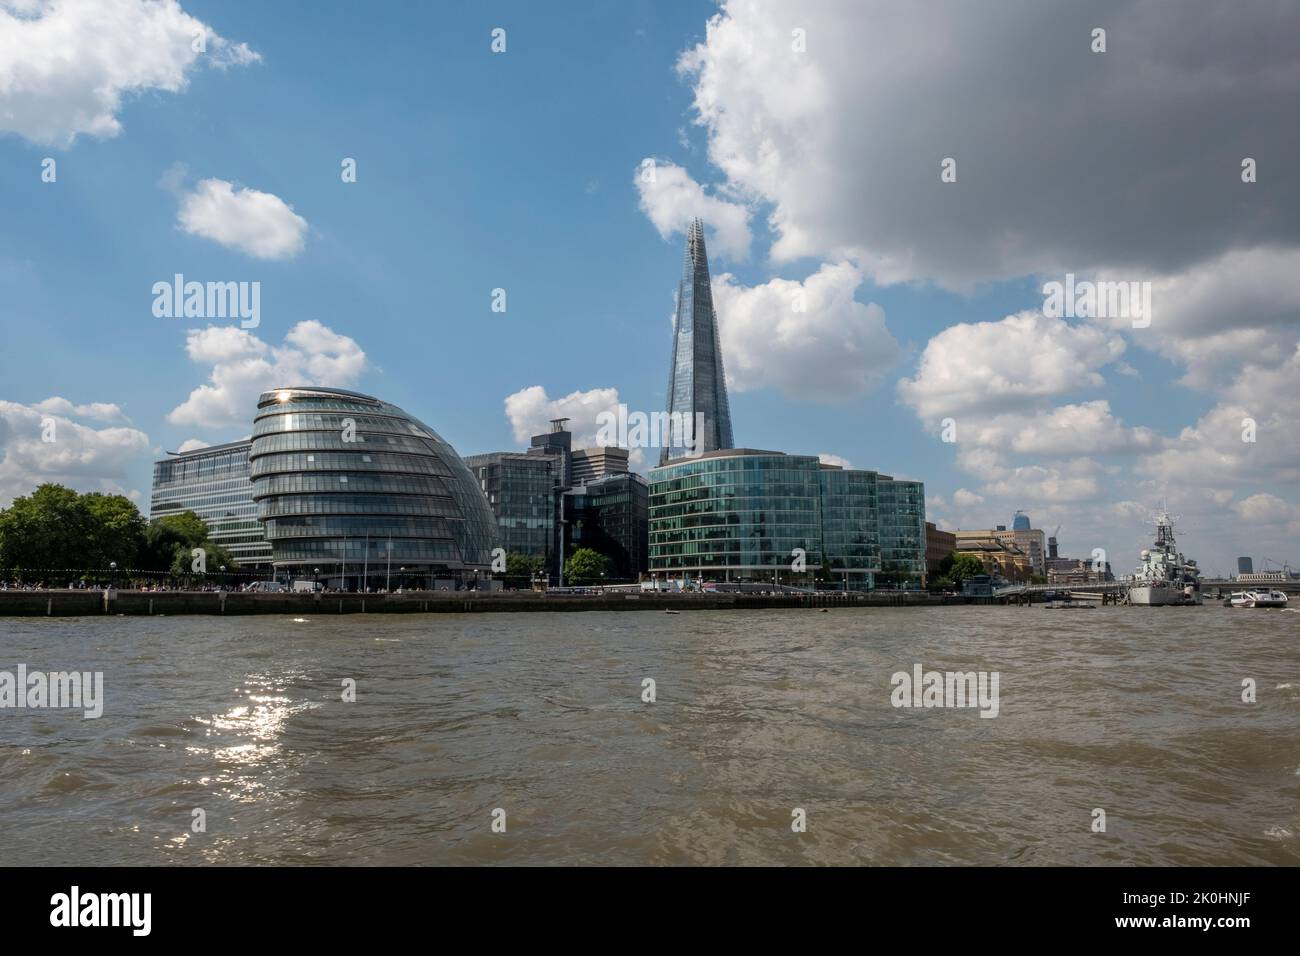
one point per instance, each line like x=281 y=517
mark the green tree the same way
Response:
x=522 y=568
x=48 y=529
x=586 y=566
x=117 y=531
x=965 y=566
x=170 y=542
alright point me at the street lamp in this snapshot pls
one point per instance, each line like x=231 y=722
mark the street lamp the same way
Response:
x=112 y=580
x=315 y=578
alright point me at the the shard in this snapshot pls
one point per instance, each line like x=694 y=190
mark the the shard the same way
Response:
x=697 y=389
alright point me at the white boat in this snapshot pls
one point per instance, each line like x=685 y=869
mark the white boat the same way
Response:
x=1259 y=598
x=1165 y=577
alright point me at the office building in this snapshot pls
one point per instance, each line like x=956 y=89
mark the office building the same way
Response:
x=697 y=388
x=609 y=515
x=747 y=515
x=1245 y=566
x=902 y=533
x=938 y=545
x=214 y=483
x=520 y=489
x=351 y=490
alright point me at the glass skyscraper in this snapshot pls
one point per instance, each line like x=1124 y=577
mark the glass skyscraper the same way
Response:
x=902 y=532
x=696 y=383
x=352 y=485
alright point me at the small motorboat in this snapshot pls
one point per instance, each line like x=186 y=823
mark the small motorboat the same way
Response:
x=1259 y=598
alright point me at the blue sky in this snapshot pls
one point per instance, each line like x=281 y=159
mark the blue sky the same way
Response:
x=518 y=170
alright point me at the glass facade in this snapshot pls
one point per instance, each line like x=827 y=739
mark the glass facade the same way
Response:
x=737 y=515
x=609 y=515
x=214 y=483
x=520 y=490
x=902 y=533
x=851 y=526
x=355 y=487
x=696 y=383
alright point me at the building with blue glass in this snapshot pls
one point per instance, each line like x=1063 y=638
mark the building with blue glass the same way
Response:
x=745 y=515
x=214 y=483
x=356 y=492
x=697 y=387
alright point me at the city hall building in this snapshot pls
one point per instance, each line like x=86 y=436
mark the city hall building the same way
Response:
x=352 y=490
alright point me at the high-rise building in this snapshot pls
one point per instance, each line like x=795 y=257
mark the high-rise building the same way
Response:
x=1245 y=566
x=357 y=488
x=214 y=483
x=697 y=388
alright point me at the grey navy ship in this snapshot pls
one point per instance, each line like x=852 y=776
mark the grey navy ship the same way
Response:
x=1165 y=577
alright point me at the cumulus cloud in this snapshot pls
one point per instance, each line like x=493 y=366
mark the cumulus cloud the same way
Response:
x=530 y=411
x=97 y=411
x=243 y=366
x=1086 y=428
x=671 y=199
x=192 y=444
x=966 y=499
x=811 y=340
x=846 y=147
x=43 y=442
x=259 y=224
x=66 y=65
x=1021 y=360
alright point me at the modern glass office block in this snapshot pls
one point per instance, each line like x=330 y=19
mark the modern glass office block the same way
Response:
x=214 y=483
x=609 y=515
x=521 y=491
x=358 y=488
x=850 y=527
x=902 y=533
x=737 y=515
x=696 y=383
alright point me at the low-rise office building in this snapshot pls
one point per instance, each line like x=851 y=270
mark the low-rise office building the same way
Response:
x=748 y=515
x=609 y=516
x=214 y=483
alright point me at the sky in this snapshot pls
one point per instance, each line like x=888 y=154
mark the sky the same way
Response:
x=888 y=190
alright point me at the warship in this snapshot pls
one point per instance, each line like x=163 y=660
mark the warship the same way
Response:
x=1165 y=577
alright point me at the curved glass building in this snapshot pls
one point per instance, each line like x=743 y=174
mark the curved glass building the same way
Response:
x=360 y=490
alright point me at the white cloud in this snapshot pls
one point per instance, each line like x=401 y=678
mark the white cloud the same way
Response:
x=671 y=199
x=845 y=140
x=79 y=456
x=97 y=411
x=65 y=65
x=243 y=366
x=966 y=499
x=192 y=444
x=1265 y=509
x=530 y=412
x=1087 y=428
x=260 y=224
x=1017 y=362
x=811 y=340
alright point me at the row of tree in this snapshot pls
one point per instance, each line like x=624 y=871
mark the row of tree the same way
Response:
x=584 y=566
x=55 y=528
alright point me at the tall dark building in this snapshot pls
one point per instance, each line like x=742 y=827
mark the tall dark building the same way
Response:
x=696 y=383
x=610 y=516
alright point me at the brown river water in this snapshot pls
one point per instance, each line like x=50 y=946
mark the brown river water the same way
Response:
x=1135 y=711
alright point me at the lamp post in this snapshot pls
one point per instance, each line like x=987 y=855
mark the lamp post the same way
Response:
x=223 y=576
x=112 y=579
x=315 y=578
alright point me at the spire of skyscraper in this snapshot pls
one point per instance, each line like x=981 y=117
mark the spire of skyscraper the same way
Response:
x=696 y=385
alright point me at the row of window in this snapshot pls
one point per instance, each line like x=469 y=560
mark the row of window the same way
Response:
x=356 y=505
x=333 y=422
x=335 y=441
x=349 y=461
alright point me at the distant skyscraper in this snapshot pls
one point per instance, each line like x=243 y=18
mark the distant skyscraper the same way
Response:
x=1021 y=522
x=1245 y=566
x=696 y=383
